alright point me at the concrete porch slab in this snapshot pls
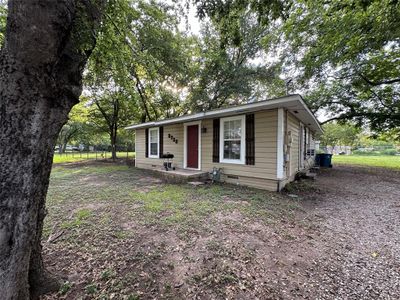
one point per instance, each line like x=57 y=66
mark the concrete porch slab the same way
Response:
x=181 y=175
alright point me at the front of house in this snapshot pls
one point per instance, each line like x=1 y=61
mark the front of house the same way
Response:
x=261 y=144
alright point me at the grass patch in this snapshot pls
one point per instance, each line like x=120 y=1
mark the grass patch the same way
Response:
x=112 y=185
x=65 y=287
x=175 y=205
x=79 y=219
x=78 y=156
x=128 y=226
x=301 y=186
x=384 y=161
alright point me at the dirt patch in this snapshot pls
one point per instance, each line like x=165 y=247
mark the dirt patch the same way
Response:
x=338 y=239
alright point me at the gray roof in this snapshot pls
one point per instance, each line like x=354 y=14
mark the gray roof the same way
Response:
x=293 y=103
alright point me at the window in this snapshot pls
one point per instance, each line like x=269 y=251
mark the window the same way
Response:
x=232 y=144
x=153 y=142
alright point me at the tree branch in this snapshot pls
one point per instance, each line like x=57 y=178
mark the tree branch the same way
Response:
x=377 y=83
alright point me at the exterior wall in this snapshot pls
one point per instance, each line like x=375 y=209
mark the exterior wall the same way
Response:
x=293 y=126
x=176 y=131
x=310 y=160
x=255 y=182
x=263 y=173
x=297 y=162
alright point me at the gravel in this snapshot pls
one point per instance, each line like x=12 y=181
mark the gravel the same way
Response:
x=357 y=212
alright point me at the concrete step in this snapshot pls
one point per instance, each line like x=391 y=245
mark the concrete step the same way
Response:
x=310 y=175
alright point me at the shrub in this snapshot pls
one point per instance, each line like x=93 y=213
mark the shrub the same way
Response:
x=375 y=153
x=389 y=152
x=367 y=153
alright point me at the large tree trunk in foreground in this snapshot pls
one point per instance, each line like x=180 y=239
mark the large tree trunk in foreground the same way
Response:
x=47 y=45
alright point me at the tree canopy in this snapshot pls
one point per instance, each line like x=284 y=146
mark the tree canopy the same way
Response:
x=340 y=135
x=141 y=52
x=344 y=56
x=341 y=55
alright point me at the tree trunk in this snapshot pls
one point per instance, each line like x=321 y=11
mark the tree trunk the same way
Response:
x=41 y=68
x=113 y=140
x=64 y=147
x=29 y=132
x=60 y=148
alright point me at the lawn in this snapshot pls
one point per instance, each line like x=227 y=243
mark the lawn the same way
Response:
x=120 y=233
x=81 y=156
x=384 y=161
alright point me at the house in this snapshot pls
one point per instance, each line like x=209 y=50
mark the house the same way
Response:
x=261 y=144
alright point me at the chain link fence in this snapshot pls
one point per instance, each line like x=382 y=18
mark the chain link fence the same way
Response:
x=79 y=153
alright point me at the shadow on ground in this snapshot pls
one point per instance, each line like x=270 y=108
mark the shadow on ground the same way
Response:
x=119 y=233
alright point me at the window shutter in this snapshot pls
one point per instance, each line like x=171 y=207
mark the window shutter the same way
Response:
x=161 y=141
x=216 y=140
x=250 y=141
x=146 y=142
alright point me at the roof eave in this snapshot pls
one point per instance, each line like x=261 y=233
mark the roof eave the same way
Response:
x=272 y=104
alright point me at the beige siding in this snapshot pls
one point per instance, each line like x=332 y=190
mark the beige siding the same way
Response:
x=259 y=183
x=293 y=127
x=176 y=131
x=169 y=146
x=294 y=165
x=265 y=123
x=261 y=175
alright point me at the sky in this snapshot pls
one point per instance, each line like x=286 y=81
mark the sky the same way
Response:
x=192 y=22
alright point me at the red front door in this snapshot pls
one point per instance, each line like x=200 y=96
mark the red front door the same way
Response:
x=192 y=147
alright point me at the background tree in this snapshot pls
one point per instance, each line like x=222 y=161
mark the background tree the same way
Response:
x=47 y=44
x=228 y=73
x=77 y=127
x=340 y=135
x=141 y=51
x=392 y=136
x=110 y=112
x=343 y=56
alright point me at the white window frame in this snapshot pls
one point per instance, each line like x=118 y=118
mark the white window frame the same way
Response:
x=158 y=142
x=240 y=161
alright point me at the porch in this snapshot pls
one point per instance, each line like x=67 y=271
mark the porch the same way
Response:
x=181 y=175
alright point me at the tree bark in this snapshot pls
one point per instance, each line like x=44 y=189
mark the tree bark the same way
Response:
x=60 y=148
x=46 y=47
x=113 y=147
x=114 y=129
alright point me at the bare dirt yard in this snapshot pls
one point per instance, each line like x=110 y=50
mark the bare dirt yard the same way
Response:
x=116 y=232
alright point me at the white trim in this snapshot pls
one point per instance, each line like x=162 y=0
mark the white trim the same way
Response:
x=301 y=149
x=280 y=144
x=158 y=142
x=241 y=161
x=185 y=125
x=135 y=151
x=291 y=102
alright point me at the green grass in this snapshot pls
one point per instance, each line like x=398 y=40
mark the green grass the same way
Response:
x=120 y=227
x=384 y=161
x=77 y=156
x=78 y=188
x=79 y=220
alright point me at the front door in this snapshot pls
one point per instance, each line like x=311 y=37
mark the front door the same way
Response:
x=192 y=147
